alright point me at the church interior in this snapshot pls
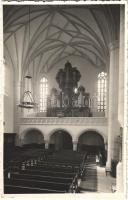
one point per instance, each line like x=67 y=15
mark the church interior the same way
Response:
x=63 y=98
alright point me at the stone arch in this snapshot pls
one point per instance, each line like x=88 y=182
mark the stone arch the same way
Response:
x=92 y=142
x=95 y=130
x=60 y=139
x=59 y=129
x=32 y=137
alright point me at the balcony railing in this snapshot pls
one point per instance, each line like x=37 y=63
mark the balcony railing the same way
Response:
x=92 y=121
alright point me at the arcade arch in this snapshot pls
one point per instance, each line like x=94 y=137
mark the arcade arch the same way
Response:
x=33 y=137
x=60 y=140
x=92 y=142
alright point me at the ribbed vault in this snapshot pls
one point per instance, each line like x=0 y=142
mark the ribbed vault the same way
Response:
x=56 y=33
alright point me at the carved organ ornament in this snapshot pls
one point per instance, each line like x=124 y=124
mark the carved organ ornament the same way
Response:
x=69 y=100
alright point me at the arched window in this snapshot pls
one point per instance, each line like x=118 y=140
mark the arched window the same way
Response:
x=102 y=91
x=43 y=94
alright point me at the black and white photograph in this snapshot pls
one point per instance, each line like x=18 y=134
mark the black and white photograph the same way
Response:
x=63 y=115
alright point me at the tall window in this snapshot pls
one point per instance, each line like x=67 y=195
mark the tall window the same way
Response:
x=43 y=94
x=102 y=91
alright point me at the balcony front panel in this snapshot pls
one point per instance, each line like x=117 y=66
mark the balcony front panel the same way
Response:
x=79 y=121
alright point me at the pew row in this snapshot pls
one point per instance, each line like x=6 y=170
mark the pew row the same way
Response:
x=14 y=189
x=41 y=178
x=38 y=184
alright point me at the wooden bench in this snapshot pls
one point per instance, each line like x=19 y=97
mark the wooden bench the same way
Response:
x=54 y=162
x=52 y=168
x=55 y=174
x=14 y=189
x=48 y=173
x=65 y=162
x=59 y=164
x=38 y=184
x=42 y=178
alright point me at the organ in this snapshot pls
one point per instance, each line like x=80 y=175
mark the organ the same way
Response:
x=70 y=100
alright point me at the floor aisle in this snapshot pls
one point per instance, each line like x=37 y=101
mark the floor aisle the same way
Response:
x=104 y=182
x=95 y=179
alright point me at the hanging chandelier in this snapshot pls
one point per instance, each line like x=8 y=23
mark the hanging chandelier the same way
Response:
x=27 y=100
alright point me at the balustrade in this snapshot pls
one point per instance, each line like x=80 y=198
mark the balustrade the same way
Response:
x=93 y=121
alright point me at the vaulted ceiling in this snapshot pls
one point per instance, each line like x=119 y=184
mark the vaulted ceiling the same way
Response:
x=40 y=36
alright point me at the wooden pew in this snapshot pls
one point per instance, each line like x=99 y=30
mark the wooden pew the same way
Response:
x=38 y=184
x=66 y=163
x=47 y=173
x=41 y=178
x=53 y=168
x=14 y=189
x=55 y=174
x=59 y=163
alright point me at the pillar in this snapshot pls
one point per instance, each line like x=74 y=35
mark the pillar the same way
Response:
x=119 y=179
x=119 y=167
x=17 y=110
x=121 y=68
x=113 y=126
x=46 y=144
x=75 y=145
x=120 y=173
x=19 y=140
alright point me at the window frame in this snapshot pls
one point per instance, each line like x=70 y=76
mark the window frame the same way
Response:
x=43 y=91
x=102 y=92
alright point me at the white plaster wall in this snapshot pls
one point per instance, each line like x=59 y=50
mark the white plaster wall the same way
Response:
x=8 y=101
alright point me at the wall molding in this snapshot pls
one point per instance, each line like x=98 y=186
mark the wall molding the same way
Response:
x=78 y=121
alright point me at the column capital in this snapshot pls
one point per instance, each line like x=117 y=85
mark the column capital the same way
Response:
x=114 y=45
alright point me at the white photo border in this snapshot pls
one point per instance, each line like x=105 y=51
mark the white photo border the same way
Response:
x=86 y=196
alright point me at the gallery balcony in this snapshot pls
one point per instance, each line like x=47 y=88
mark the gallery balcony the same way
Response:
x=82 y=121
